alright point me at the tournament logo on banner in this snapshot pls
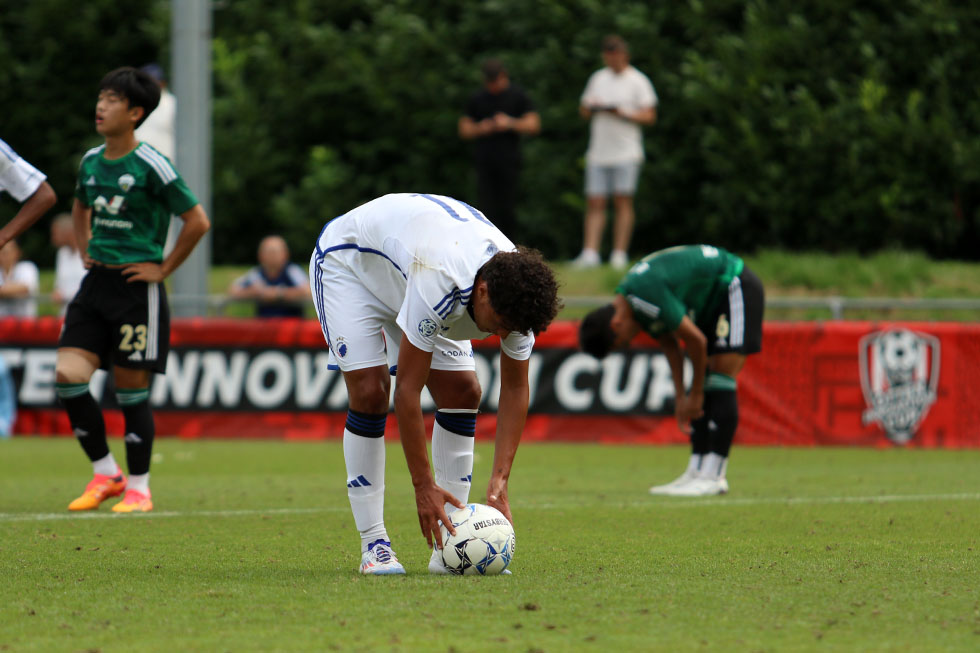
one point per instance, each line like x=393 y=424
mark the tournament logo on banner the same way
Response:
x=899 y=377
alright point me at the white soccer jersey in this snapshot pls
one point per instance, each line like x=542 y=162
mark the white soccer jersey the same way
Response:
x=17 y=176
x=418 y=254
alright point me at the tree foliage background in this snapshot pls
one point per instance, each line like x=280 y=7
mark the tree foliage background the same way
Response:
x=822 y=124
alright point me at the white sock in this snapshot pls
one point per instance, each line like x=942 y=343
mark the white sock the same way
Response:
x=713 y=467
x=106 y=466
x=365 y=460
x=452 y=458
x=139 y=482
x=694 y=463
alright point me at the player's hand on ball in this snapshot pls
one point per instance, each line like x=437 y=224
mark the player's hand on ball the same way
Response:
x=497 y=497
x=430 y=502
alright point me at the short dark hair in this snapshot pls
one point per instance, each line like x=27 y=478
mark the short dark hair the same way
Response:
x=522 y=289
x=139 y=89
x=492 y=69
x=595 y=334
x=613 y=42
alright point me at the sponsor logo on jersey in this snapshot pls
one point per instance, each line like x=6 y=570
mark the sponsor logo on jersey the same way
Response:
x=427 y=328
x=454 y=353
x=135 y=356
x=90 y=181
x=492 y=249
x=112 y=224
x=899 y=376
x=126 y=182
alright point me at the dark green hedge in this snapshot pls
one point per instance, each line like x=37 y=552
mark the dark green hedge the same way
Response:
x=828 y=125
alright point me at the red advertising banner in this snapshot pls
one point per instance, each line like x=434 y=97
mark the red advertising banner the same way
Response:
x=834 y=383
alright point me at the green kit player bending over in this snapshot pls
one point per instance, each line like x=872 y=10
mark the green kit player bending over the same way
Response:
x=125 y=195
x=707 y=298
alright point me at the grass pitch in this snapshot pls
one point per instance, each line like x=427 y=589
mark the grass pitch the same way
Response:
x=252 y=547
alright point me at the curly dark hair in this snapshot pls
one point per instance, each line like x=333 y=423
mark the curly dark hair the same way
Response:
x=595 y=336
x=522 y=289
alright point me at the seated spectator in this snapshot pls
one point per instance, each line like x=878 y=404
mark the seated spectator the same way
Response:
x=68 y=266
x=279 y=287
x=18 y=283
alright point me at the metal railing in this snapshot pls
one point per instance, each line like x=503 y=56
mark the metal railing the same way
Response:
x=835 y=305
x=212 y=305
x=219 y=304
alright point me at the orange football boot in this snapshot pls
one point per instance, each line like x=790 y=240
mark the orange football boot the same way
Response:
x=100 y=488
x=134 y=501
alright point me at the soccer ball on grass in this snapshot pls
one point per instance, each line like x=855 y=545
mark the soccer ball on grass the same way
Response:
x=483 y=544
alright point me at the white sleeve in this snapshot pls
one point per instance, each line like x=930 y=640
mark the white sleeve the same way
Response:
x=588 y=95
x=17 y=176
x=26 y=273
x=646 y=96
x=419 y=321
x=248 y=279
x=518 y=346
x=297 y=275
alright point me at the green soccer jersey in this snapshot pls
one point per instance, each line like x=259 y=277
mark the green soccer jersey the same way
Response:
x=132 y=199
x=671 y=283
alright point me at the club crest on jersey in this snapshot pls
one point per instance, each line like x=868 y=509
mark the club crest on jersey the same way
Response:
x=899 y=376
x=340 y=348
x=126 y=182
x=722 y=329
x=427 y=328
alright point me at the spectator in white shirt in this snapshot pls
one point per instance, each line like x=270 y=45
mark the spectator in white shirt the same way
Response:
x=18 y=283
x=160 y=127
x=69 y=269
x=618 y=100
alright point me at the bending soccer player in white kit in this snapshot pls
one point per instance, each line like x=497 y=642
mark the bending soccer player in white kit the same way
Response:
x=401 y=285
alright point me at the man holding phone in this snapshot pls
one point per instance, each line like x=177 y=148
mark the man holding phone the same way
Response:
x=618 y=100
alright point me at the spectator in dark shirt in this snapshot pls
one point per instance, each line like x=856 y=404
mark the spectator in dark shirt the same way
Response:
x=496 y=117
x=279 y=287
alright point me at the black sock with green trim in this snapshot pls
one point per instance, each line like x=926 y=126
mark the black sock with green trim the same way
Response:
x=721 y=409
x=140 y=428
x=85 y=418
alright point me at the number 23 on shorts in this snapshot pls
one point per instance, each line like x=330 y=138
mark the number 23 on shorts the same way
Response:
x=133 y=337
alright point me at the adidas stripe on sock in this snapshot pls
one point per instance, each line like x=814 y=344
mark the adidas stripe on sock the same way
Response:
x=364 y=456
x=452 y=452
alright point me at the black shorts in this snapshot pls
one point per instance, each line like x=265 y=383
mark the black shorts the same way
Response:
x=736 y=325
x=124 y=323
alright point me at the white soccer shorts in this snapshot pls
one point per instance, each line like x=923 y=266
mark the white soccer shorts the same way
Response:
x=360 y=330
